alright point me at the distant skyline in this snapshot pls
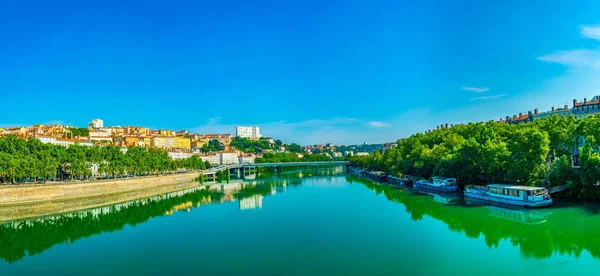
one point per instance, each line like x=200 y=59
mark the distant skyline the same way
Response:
x=308 y=72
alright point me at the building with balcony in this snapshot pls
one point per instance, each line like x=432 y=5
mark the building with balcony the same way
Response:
x=130 y=140
x=182 y=142
x=564 y=111
x=157 y=142
x=179 y=155
x=166 y=132
x=250 y=132
x=226 y=158
x=46 y=139
x=213 y=159
x=249 y=159
x=136 y=130
x=16 y=131
x=102 y=132
x=582 y=109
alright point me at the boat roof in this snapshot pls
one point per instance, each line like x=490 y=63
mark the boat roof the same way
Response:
x=442 y=177
x=515 y=187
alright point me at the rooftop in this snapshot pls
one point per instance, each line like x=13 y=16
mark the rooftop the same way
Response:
x=515 y=187
x=595 y=100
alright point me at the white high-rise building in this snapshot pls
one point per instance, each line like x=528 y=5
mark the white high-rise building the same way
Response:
x=248 y=132
x=96 y=123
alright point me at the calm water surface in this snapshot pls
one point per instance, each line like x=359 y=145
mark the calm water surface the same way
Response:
x=319 y=225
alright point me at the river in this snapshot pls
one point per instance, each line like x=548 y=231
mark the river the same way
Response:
x=305 y=224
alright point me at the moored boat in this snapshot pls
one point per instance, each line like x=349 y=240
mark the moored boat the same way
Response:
x=439 y=184
x=378 y=176
x=524 y=196
x=407 y=180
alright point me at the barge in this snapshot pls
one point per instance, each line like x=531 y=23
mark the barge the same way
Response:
x=439 y=184
x=524 y=196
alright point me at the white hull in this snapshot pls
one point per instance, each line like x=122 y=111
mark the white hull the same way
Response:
x=517 y=202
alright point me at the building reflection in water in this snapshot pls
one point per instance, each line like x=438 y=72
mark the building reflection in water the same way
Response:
x=253 y=202
x=16 y=240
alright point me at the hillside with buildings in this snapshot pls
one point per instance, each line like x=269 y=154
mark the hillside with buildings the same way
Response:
x=214 y=148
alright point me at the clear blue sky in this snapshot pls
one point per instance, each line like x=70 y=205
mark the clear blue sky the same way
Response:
x=305 y=71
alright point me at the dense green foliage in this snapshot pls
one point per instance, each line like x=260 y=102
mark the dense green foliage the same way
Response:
x=33 y=160
x=79 y=132
x=290 y=157
x=212 y=146
x=256 y=146
x=293 y=147
x=492 y=152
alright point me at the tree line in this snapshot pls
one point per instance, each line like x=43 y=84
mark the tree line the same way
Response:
x=557 y=150
x=257 y=146
x=290 y=157
x=31 y=160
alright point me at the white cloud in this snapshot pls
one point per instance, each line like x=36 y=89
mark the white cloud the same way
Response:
x=592 y=32
x=475 y=89
x=574 y=58
x=378 y=124
x=488 y=97
x=578 y=58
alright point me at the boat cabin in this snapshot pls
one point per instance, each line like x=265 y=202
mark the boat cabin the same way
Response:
x=524 y=192
x=440 y=180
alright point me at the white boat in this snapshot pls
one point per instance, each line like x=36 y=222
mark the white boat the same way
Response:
x=439 y=184
x=525 y=196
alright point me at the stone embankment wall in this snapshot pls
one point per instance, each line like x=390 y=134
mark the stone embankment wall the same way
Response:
x=36 y=193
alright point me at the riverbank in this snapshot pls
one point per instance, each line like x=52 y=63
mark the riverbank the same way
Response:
x=40 y=193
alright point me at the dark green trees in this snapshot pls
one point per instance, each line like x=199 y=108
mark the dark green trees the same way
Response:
x=484 y=153
x=31 y=161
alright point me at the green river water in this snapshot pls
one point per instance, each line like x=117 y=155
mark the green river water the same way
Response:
x=305 y=224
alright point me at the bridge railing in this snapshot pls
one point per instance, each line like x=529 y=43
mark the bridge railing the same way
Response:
x=282 y=164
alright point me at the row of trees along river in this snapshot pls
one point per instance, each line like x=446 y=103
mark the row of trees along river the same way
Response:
x=557 y=150
x=33 y=160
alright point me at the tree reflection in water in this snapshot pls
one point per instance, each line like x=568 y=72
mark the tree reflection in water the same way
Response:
x=538 y=233
x=31 y=236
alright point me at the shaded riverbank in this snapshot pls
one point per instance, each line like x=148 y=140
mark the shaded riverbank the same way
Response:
x=40 y=193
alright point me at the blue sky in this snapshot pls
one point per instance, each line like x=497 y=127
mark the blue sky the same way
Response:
x=305 y=71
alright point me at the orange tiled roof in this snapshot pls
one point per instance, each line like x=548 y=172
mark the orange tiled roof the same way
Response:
x=523 y=117
x=597 y=101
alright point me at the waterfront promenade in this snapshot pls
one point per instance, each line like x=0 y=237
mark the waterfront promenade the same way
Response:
x=39 y=193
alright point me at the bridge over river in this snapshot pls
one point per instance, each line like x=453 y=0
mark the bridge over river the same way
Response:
x=213 y=171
